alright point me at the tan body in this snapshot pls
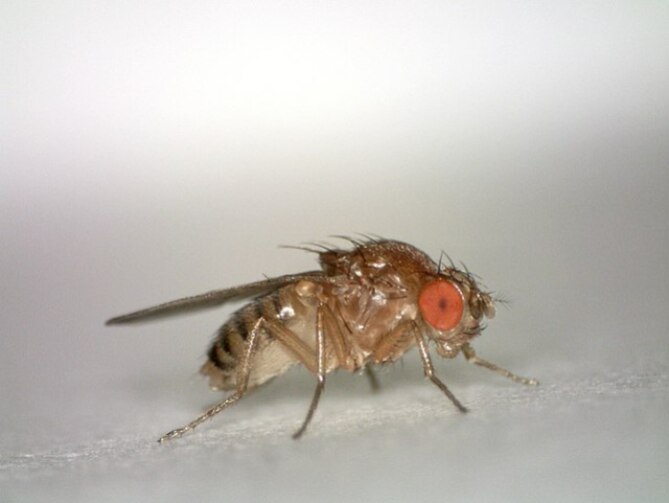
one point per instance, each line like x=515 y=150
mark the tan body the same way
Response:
x=353 y=340
x=366 y=307
x=365 y=314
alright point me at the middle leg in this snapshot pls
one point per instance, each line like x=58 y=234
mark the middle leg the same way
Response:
x=320 y=375
x=373 y=381
x=429 y=370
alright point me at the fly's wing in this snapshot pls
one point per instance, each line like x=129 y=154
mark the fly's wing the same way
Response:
x=212 y=299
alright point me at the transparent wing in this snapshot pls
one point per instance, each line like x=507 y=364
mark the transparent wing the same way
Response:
x=212 y=299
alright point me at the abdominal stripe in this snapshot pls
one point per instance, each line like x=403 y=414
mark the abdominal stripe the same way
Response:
x=231 y=342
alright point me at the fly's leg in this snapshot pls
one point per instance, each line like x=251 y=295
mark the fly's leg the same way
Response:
x=429 y=370
x=471 y=357
x=392 y=344
x=242 y=384
x=294 y=344
x=336 y=340
x=314 y=363
x=320 y=375
x=388 y=348
x=373 y=381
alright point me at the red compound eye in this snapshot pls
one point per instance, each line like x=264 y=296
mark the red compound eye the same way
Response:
x=440 y=303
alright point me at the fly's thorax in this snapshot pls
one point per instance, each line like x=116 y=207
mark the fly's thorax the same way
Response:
x=356 y=314
x=375 y=259
x=374 y=286
x=368 y=313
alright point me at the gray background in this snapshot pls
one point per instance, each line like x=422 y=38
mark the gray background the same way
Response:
x=159 y=149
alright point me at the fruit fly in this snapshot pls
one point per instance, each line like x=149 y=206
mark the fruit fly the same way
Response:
x=366 y=306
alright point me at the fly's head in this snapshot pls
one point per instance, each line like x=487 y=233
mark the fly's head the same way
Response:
x=453 y=308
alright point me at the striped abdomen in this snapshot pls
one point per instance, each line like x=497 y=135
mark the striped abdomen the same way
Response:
x=271 y=358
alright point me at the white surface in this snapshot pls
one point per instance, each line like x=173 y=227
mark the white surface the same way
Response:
x=152 y=151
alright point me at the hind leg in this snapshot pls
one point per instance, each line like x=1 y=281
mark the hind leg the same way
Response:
x=242 y=385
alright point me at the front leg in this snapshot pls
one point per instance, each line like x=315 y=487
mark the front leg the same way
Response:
x=471 y=357
x=429 y=369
